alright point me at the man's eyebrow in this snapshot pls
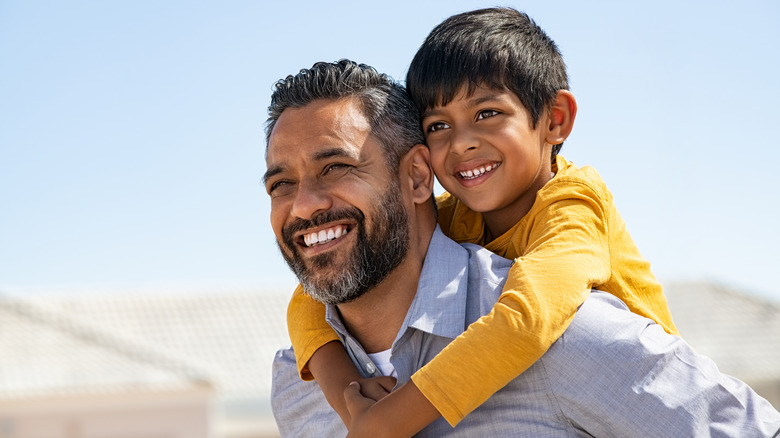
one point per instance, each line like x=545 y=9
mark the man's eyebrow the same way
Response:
x=317 y=156
x=332 y=152
x=271 y=172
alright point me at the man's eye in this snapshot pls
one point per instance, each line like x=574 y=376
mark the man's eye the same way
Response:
x=277 y=185
x=484 y=114
x=437 y=126
x=336 y=167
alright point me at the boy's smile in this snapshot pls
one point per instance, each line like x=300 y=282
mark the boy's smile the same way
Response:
x=473 y=174
x=486 y=152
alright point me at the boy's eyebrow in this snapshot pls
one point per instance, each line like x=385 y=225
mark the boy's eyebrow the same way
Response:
x=472 y=101
x=317 y=156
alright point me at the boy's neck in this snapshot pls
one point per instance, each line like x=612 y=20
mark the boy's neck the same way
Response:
x=498 y=222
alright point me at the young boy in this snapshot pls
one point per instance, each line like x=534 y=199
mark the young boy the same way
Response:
x=493 y=92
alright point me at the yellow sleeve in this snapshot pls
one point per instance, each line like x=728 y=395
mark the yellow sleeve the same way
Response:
x=308 y=329
x=566 y=251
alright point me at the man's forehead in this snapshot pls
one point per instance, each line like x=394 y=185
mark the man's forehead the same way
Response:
x=322 y=114
x=321 y=118
x=316 y=131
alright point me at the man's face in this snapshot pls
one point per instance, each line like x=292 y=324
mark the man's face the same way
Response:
x=336 y=210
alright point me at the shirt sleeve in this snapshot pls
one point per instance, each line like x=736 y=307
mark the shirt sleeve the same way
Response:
x=307 y=328
x=300 y=408
x=615 y=373
x=566 y=251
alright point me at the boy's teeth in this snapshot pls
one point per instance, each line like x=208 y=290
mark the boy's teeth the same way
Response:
x=471 y=174
x=324 y=236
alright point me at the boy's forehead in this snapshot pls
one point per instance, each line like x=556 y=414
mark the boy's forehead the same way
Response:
x=469 y=94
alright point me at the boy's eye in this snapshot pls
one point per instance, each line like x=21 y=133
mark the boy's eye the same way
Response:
x=437 y=126
x=484 y=114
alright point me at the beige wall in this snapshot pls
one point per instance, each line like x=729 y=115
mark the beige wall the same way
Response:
x=769 y=390
x=185 y=414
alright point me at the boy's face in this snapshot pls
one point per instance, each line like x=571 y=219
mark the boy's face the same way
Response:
x=485 y=152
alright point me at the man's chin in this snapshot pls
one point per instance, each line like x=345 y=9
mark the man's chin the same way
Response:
x=325 y=292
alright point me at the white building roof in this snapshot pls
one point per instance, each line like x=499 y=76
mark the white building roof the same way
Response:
x=45 y=354
x=56 y=343
x=740 y=332
x=229 y=336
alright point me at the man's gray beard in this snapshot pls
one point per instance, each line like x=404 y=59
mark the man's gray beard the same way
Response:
x=377 y=252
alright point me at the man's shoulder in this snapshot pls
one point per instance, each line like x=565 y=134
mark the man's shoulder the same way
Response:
x=486 y=265
x=605 y=331
x=604 y=319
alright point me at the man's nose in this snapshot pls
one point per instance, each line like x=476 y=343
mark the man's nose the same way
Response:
x=310 y=199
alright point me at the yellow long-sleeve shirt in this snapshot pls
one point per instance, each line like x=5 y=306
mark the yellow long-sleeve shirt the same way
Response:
x=572 y=240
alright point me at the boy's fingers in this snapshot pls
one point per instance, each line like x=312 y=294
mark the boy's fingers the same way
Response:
x=376 y=388
x=355 y=401
x=388 y=383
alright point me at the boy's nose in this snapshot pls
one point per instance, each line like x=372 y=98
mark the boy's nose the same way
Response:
x=310 y=199
x=463 y=141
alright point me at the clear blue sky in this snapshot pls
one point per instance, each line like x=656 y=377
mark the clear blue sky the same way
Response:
x=131 y=132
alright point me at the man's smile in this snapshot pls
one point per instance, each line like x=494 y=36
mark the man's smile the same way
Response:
x=325 y=235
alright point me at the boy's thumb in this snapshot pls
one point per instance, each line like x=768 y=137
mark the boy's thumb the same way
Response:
x=355 y=401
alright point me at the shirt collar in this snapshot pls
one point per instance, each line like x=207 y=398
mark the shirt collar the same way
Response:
x=439 y=306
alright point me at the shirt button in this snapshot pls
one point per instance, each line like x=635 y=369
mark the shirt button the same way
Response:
x=371 y=368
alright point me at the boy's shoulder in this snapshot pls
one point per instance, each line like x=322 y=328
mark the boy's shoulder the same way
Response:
x=569 y=177
x=569 y=170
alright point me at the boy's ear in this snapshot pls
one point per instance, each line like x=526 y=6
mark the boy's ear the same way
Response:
x=416 y=166
x=562 y=114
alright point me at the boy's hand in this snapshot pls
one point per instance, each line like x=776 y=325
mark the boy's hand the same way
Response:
x=400 y=414
x=375 y=388
x=362 y=423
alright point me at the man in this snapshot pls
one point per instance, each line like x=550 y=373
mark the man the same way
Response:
x=351 y=207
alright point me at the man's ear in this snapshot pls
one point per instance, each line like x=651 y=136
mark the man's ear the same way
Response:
x=417 y=174
x=561 y=118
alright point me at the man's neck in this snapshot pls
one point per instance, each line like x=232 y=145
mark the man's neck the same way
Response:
x=375 y=318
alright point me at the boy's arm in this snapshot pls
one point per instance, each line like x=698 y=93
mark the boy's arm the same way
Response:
x=307 y=328
x=333 y=370
x=401 y=414
x=566 y=251
x=318 y=351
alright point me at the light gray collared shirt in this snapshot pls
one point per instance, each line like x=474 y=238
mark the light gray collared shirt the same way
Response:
x=611 y=374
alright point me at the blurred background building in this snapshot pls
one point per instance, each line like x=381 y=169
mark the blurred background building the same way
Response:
x=198 y=365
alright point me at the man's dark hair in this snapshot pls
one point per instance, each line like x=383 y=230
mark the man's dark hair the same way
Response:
x=498 y=48
x=393 y=117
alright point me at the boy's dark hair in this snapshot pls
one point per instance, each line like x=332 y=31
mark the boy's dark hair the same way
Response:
x=494 y=47
x=393 y=117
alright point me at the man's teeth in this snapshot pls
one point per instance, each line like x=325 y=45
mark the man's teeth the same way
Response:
x=324 y=236
x=474 y=173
